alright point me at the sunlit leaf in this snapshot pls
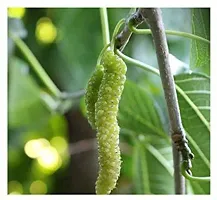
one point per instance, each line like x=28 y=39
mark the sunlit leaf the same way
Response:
x=139 y=117
x=152 y=168
x=194 y=100
x=200 y=51
x=140 y=112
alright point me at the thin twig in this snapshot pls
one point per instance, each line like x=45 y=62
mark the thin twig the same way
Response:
x=82 y=146
x=36 y=65
x=153 y=18
x=123 y=37
x=74 y=95
x=91 y=144
x=179 y=180
x=155 y=22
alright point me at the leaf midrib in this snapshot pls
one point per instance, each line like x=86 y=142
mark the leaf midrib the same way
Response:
x=193 y=106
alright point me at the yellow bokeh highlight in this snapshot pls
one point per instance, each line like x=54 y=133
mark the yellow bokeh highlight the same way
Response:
x=50 y=159
x=14 y=193
x=16 y=12
x=59 y=143
x=15 y=187
x=46 y=31
x=34 y=148
x=38 y=187
x=47 y=156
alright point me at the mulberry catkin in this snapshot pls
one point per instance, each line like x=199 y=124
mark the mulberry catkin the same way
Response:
x=91 y=94
x=106 y=110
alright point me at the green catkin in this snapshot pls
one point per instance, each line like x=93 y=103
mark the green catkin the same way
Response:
x=106 y=111
x=91 y=94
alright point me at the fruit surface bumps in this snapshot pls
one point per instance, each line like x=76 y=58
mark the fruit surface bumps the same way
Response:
x=106 y=122
x=91 y=94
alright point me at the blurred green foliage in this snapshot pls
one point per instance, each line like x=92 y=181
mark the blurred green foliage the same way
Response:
x=67 y=42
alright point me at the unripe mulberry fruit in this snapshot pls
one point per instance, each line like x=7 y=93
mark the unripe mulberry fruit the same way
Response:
x=106 y=111
x=91 y=94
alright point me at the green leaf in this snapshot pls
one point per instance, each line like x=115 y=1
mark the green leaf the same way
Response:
x=140 y=112
x=194 y=101
x=140 y=117
x=149 y=179
x=159 y=155
x=200 y=51
x=25 y=106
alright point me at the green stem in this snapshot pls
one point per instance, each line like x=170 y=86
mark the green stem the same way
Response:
x=171 y=32
x=101 y=54
x=138 y=63
x=117 y=27
x=105 y=26
x=193 y=178
x=36 y=65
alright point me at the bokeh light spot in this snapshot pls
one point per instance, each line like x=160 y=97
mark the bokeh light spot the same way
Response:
x=59 y=143
x=15 y=187
x=14 y=193
x=34 y=148
x=16 y=12
x=46 y=31
x=50 y=159
x=38 y=187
